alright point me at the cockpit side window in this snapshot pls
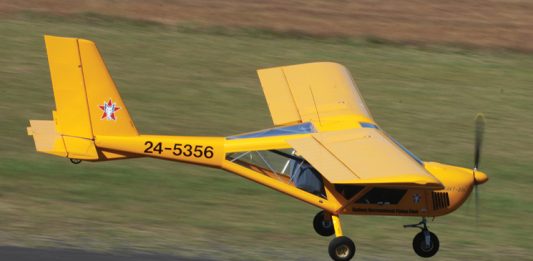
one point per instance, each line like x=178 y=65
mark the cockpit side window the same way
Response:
x=382 y=196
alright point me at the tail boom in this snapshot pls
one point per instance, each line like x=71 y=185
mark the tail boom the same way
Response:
x=207 y=151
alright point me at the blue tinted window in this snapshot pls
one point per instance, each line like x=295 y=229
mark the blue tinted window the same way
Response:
x=407 y=151
x=288 y=130
x=368 y=125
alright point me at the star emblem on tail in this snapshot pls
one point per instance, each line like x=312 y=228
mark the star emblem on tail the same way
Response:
x=109 y=108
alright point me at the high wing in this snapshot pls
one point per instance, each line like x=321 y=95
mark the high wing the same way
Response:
x=358 y=152
x=363 y=156
x=310 y=92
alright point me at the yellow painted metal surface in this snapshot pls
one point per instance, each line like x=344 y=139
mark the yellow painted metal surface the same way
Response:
x=310 y=92
x=46 y=137
x=325 y=162
x=279 y=96
x=198 y=150
x=458 y=185
x=480 y=177
x=337 y=225
x=84 y=90
x=87 y=101
x=80 y=148
x=115 y=155
x=362 y=156
x=92 y=123
x=101 y=91
x=68 y=84
x=341 y=122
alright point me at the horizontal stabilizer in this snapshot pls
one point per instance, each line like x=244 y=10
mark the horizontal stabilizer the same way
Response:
x=46 y=137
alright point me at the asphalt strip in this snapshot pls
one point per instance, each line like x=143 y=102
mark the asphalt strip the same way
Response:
x=58 y=254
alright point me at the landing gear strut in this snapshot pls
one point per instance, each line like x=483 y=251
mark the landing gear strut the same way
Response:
x=425 y=243
x=341 y=248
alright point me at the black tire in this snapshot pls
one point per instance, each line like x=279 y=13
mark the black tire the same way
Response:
x=341 y=249
x=323 y=227
x=419 y=245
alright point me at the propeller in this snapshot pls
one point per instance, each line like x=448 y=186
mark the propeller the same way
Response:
x=480 y=129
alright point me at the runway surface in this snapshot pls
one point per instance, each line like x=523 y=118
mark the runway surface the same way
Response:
x=57 y=254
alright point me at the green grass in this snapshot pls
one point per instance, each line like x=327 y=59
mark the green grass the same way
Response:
x=183 y=81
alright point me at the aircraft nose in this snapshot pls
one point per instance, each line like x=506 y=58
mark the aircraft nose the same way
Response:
x=480 y=177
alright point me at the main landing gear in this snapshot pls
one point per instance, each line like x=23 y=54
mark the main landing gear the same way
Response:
x=323 y=224
x=425 y=243
x=341 y=248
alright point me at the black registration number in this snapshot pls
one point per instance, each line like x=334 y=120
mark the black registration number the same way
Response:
x=179 y=149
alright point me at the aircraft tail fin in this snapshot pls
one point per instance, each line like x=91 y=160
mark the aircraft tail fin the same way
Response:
x=87 y=102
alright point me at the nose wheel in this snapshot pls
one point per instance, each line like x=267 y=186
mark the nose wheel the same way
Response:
x=425 y=243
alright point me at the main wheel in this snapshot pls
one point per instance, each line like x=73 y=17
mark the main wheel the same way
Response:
x=323 y=227
x=341 y=249
x=423 y=250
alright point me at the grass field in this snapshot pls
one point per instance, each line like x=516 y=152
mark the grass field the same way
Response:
x=475 y=23
x=190 y=81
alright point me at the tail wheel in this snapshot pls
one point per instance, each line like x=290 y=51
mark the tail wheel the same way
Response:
x=322 y=226
x=422 y=248
x=341 y=249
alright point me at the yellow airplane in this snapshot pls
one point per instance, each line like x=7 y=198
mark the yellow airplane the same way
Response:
x=325 y=148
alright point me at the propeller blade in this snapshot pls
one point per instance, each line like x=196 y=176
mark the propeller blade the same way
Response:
x=480 y=129
x=476 y=196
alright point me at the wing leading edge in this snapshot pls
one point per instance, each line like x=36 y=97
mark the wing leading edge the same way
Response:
x=363 y=156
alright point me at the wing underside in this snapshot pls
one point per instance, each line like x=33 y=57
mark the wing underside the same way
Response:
x=363 y=156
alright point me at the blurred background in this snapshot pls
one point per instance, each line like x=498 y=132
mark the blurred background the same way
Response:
x=425 y=68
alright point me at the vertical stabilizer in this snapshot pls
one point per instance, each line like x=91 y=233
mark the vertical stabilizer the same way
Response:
x=87 y=102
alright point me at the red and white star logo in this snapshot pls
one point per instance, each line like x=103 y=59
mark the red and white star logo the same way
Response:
x=109 y=109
